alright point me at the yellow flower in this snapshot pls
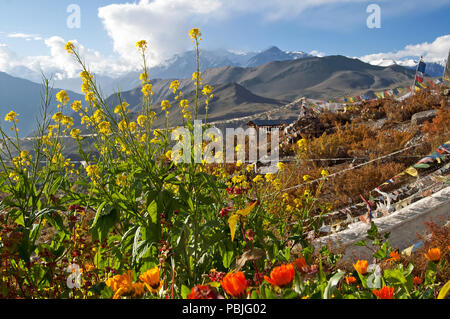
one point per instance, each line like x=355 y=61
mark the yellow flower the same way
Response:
x=62 y=97
x=147 y=89
x=121 y=180
x=57 y=117
x=152 y=280
x=169 y=154
x=174 y=85
x=67 y=120
x=306 y=177
x=197 y=76
x=324 y=173
x=143 y=77
x=85 y=76
x=93 y=171
x=105 y=127
x=24 y=154
x=121 y=107
x=132 y=127
x=281 y=166
x=69 y=47
x=141 y=120
x=141 y=45
x=270 y=177
x=76 y=106
x=75 y=133
x=302 y=144
x=207 y=89
x=10 y=117
x=258 y=179
x=165 y=104
x=195 y=34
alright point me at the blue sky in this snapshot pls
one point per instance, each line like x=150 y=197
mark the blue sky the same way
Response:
x=33 y=31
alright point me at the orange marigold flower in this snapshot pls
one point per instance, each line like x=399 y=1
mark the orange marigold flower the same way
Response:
x=417 y=280
x=139 y=289
x=395 y=256
x=281 y=276
x=203 y=292
x=384 y=293
x=361 y=266
x=300 y=264
x=121 y=284
x=234 y=284
x=152 y=280
x=433 y=254
x=350 y=280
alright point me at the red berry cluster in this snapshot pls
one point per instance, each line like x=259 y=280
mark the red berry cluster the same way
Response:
x=215 y=275
x=236 y=190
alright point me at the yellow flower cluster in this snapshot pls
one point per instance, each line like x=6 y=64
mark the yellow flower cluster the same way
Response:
x=141 y=120
x=302 y=144
x=184 y=105
x=75 y=133
x=76 y=106
x=62 y=97
x=69 y=47
x=195 y=34
x=87 y=87
x=147 y=89
x=11 y=117
x=93 y=171
x=197 y=78
x=121 y=108
x=165 y=105
x=141 y=45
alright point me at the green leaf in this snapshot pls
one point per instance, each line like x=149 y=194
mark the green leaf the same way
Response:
x=383 y=251
x=361 y=243
x=394 y=276
x=332 y=284
x=185 y=291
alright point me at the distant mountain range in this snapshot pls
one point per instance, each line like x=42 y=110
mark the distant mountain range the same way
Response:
x=239 y=91
x=432 y=69
x=24 y=97
x=179 y=66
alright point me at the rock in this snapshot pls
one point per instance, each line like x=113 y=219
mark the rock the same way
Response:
x=423 y=117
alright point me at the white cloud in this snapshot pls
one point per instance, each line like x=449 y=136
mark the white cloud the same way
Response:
x=25 y=36
x=436 y=51
x=317 y=53
x=163 y=23
x=59 y=63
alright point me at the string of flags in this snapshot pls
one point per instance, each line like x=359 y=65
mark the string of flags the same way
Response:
x=382 y=94
x=424 y=163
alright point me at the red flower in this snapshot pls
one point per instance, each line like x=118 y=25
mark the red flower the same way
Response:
x=234 y=284
x=203 y=292
x=350 y=280
x=224 y=211
x=384 y=293
x=281 y=276
x=417 y=280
